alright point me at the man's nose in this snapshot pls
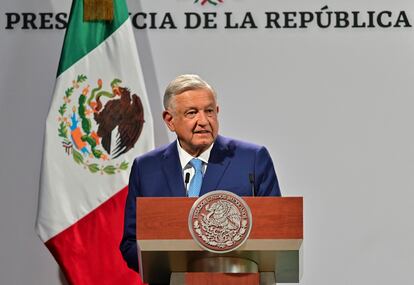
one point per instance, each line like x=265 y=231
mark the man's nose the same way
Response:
x=202 y=118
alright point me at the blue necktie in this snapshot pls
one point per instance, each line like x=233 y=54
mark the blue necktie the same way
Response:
x=197 y=180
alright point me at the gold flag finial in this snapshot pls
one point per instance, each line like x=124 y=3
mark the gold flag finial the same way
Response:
x=95 y=10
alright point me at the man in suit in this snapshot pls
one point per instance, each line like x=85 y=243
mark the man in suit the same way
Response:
x=191 y=112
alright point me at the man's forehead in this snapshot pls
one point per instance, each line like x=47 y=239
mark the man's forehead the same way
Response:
x=195 y=98
x=196 y=92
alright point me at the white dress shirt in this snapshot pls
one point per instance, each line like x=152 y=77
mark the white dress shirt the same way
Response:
x=185 y=158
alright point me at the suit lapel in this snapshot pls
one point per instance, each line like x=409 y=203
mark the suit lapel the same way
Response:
x=172 y=170
x=217 y=165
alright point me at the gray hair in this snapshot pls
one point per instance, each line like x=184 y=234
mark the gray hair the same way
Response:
x=184 y=83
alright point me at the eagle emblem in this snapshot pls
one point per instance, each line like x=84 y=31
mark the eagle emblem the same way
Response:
x=220 y=221
x=98 y=125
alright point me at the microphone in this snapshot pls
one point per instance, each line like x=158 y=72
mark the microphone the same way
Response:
x=186 y=180
x=251 y=179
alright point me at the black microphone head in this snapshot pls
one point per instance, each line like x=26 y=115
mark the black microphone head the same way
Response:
x=187 y=177
x=251 y=179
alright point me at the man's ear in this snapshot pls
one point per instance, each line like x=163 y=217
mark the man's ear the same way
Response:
x=169 y=120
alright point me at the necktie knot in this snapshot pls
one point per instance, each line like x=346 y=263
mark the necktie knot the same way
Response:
x=196 y=163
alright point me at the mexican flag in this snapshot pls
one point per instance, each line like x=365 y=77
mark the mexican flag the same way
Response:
x=99 y=120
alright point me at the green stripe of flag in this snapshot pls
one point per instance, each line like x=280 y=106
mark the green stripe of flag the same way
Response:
x=82 y=37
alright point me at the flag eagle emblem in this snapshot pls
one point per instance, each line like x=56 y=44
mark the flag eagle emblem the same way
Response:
x=98 y=125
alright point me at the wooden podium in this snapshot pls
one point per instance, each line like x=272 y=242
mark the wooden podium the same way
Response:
x=166 y=250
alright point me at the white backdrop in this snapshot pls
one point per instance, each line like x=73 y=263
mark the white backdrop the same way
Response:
x=334 y=107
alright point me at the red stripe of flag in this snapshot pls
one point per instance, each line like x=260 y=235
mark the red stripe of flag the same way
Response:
x=93 y=243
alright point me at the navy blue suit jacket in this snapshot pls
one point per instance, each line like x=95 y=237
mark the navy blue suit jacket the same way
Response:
x=159 y=174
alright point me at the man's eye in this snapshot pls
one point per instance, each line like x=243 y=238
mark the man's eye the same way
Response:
x=190 y=114
x=210 y=112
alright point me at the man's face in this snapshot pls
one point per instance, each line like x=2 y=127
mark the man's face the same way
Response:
x=192 y=115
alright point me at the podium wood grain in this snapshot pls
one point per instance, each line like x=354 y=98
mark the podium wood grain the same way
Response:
x=162 y=218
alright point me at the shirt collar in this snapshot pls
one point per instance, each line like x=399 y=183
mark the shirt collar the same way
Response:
x=185 y=157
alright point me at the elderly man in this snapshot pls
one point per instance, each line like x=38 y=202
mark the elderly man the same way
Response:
x=197 y=162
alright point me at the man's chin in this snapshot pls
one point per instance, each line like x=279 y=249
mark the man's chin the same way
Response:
x=204 y=144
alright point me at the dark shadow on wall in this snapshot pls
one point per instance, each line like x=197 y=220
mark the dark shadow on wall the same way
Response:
x=62 y=278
